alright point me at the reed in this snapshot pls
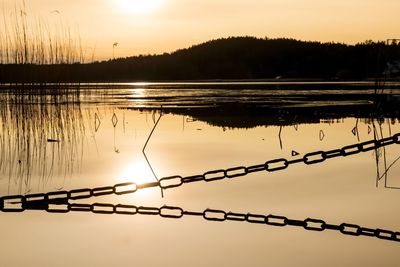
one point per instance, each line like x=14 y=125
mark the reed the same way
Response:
x=41 y=125
x=29 y=39
x=41 y=136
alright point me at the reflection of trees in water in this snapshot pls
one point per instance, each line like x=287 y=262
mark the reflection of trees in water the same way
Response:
x=41 y=135
x=379 y=124
x=246 y=116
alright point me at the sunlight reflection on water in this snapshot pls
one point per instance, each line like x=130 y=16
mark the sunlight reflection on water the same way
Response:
x=187 y=142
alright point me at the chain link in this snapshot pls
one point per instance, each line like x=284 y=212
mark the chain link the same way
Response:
x=58 y=202
x=210 y=176
x=280 y=164
x=173 y=212
x=314 y=225
x=171 y=182
x=276 y=165
x=20 y=204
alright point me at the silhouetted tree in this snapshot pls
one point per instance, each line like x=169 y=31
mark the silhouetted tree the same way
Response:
x=228 y=58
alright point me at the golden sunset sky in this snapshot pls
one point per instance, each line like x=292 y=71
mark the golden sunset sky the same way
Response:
x=157 y=26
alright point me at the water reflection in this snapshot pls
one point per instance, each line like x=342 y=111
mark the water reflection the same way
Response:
x=188 y=141
x=54 y=136
x=41 y=135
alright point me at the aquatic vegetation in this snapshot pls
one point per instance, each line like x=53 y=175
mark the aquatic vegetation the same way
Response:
x=26 y=38
x=41 y=135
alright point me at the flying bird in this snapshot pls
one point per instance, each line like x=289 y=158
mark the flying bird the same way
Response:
x=115 y=45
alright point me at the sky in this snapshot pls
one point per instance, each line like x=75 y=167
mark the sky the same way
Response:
x=158 y=26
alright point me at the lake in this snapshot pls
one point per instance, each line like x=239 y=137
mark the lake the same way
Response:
x=60 y=138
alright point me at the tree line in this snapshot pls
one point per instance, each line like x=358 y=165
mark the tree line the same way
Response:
x=226 y=58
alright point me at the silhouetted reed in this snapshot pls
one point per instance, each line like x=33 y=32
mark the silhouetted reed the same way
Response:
x=42 y=134
x=28 y=42
x=28 y=39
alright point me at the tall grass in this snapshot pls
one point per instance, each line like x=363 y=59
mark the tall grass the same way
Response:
x=29 y=39
x=32 y=116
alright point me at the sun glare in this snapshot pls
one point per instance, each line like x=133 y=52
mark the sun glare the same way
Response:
x=137 y=172
x=137 y=7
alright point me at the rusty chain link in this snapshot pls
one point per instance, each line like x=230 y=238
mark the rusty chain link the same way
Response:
x=58 y=202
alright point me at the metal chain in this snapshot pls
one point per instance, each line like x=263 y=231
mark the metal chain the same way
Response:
x=58 y=202
x=279 y=164
x=59 y=197
x=208 y=214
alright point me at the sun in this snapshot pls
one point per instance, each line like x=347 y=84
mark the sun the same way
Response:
x=136 y=171
x=137 y=7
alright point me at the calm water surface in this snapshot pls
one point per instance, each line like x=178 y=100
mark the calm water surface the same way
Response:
x=96 y=138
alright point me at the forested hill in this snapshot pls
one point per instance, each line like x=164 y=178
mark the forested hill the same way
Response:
x=230 y=58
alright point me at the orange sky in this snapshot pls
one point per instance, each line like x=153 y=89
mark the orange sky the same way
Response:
x=156 y=26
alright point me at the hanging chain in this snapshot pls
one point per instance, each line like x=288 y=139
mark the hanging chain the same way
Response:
x=209 y=176
x=208 y=214
x=58 y=202
x=279 y=164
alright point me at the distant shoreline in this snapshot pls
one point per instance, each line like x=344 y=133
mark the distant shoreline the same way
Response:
x=231 y=59
x=215 y=82
x=223 y=87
